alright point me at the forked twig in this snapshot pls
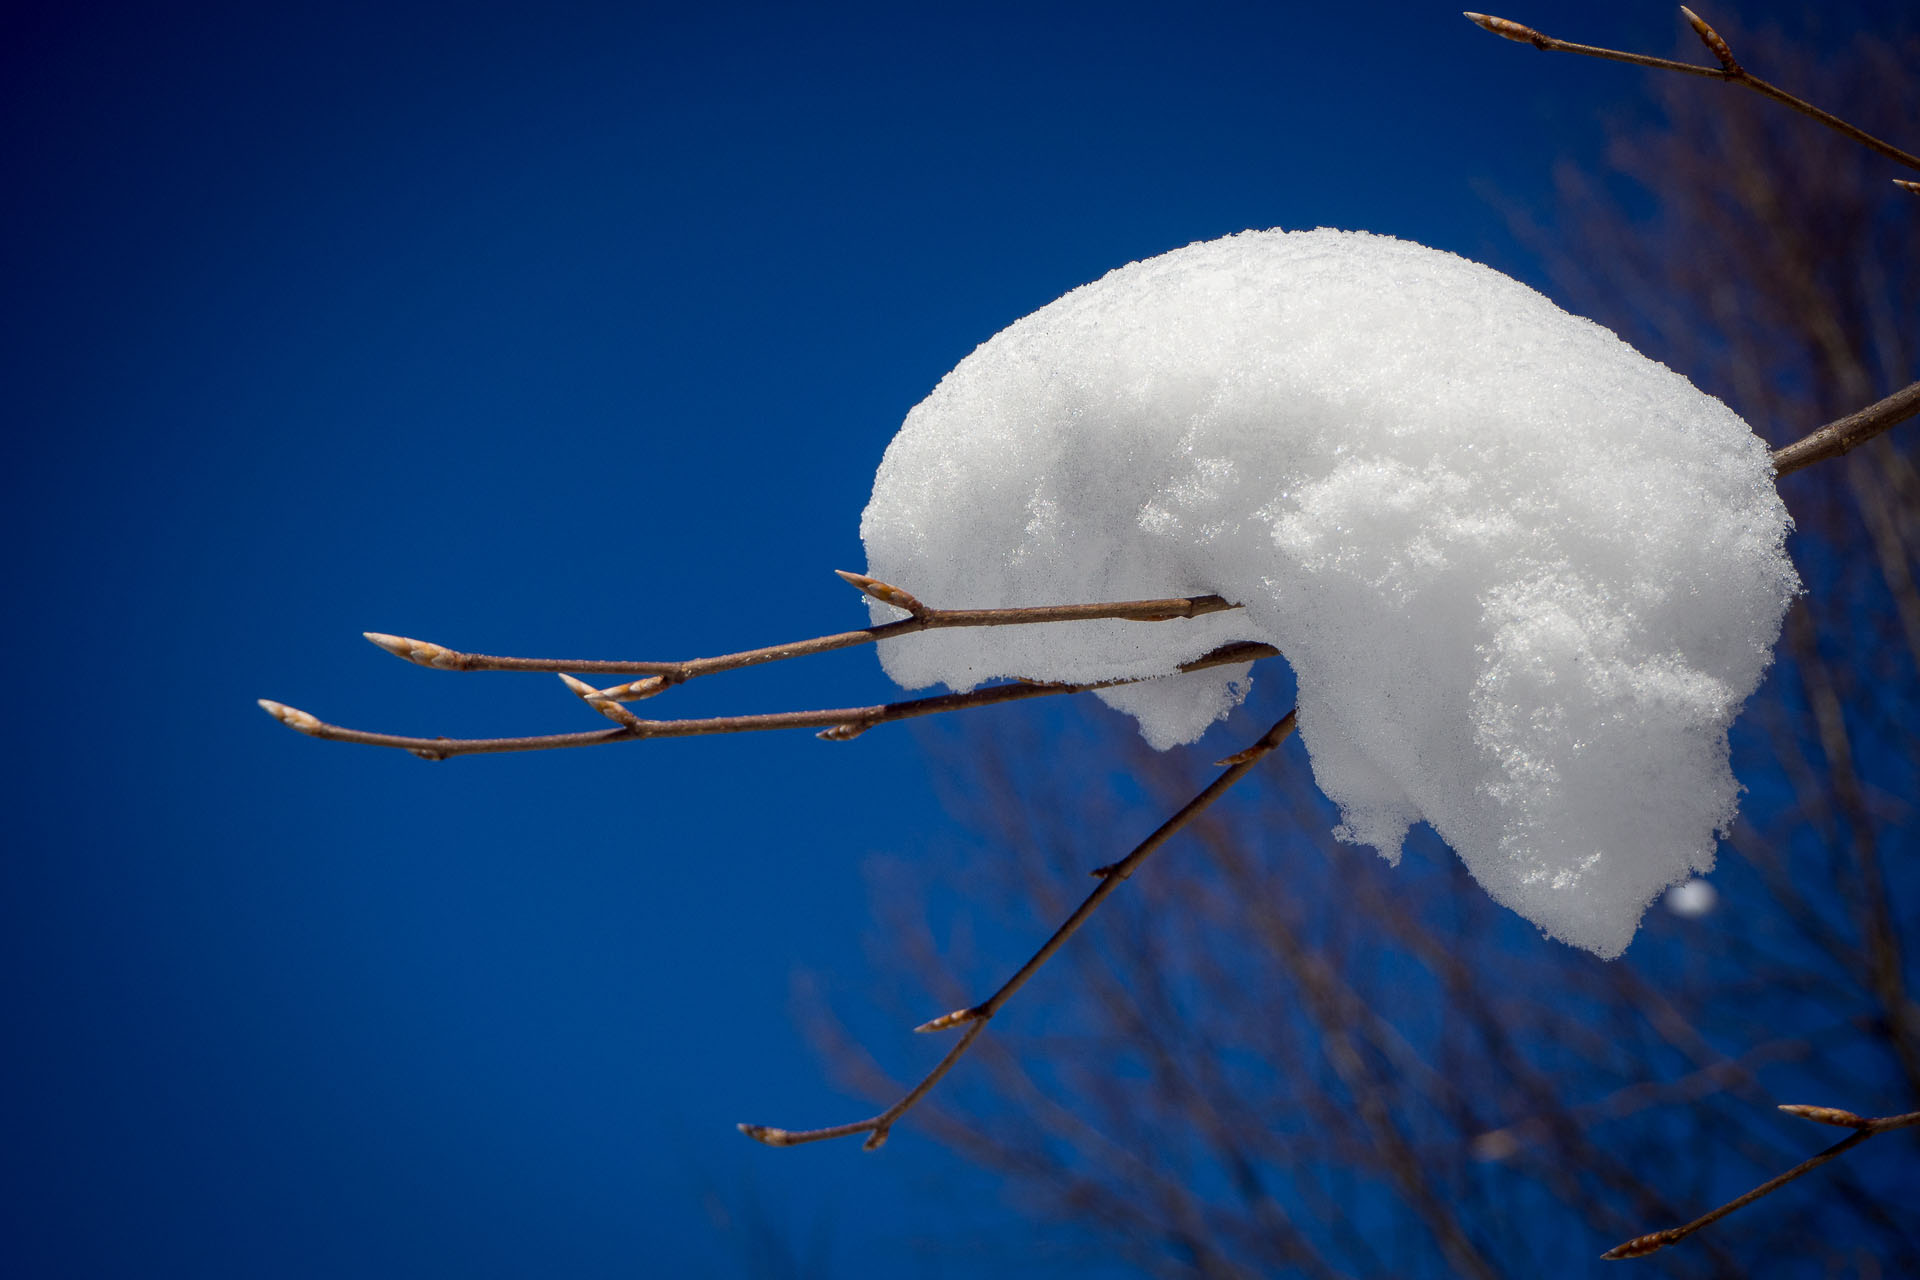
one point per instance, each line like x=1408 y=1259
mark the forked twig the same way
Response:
x=976 y=1017
x=1863 y=1127
x=920 y=618
x=836 y=724
x=1729 y=70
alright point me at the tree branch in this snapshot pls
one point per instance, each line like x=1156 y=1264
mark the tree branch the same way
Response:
x=1850 y=432
x=1863 y=1127
x=922 y=618
x=836 y=724
x=1112 y=876
x=1729 y=70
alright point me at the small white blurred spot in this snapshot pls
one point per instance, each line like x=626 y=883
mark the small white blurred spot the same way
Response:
x=1694 y=898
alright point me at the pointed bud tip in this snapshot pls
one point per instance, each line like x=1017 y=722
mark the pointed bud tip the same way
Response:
x=422 y=653
x=1502 y=27
x=580 y=687
x=1711 y=38
x=1636 y=1248
x=946 y=1020
x=1240 y=757
x=884 y=592
x=763 y=1133
x=292 y=717
x=1836 y=1116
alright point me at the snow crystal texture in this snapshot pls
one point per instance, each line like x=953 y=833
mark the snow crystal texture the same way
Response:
x=1525 y=576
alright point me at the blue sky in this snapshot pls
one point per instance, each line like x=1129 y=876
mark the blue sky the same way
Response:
x=579 y=330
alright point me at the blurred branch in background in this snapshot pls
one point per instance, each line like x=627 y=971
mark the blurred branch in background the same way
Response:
x=1281 y=1055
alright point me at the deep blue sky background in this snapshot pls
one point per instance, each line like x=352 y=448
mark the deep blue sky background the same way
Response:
x=577 y=329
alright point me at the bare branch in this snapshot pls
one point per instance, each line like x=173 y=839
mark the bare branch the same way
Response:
x=1850 y=432
x=977 y=1016
x=836 y=724
x=1863 y=1129
x=427 y=654
x=1729 y=70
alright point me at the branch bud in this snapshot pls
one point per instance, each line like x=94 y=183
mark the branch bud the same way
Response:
x=423 y=653
x=637 y=690
x=947 y=1020
x=1243 y=756
x=292 y=717
x=1506 y=27
x=1639 y=1246
x=844 y=732
x=767 y=1133
x=1828 y=1115
x=600 y=702
x=885 y=593
x=1711 y=38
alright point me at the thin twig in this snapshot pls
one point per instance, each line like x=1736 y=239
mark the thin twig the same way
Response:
x=1729 y=70
x=1863 y=1128
x=836 y=724
x=1850 y=432
x=921 y=618
x=977 y=1016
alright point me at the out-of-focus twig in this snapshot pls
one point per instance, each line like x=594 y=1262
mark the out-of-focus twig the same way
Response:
x=976 y=1017
x=1864 y=1127
x=1729 y=70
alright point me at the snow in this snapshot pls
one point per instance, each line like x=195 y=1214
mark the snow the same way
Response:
x=1692 y=898
x=1525 y=577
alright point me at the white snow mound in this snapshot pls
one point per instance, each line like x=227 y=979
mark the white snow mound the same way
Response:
x=1525 y=576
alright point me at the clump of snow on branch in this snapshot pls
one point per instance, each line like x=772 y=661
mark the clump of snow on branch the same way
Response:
x=1525 y=576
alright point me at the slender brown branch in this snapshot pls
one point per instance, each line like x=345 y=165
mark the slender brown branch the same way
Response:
x=836 y=724
x=427 y=654
x=977 y=1016
x=1729 y=70
x=1850 y=432
x=1863 y=1128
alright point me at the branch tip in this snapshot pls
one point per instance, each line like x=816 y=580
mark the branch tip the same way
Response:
x=885 y=593
x=948 y=1020
x=422 y=653
x=1711 y=38
x=292 y=717
x=1504 y=27
x=1244 y=756
x=600 y=702
x=1638 y=1247
x=766 y=1134
x=1911 y=186
x=1828 y=1115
